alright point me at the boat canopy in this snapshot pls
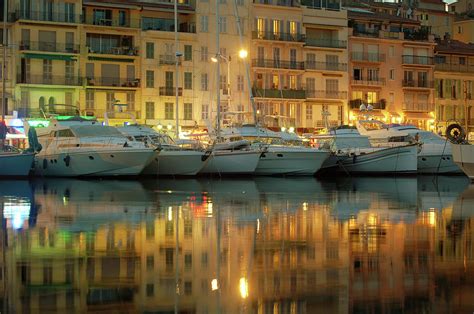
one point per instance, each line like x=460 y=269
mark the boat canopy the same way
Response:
x=95 y=131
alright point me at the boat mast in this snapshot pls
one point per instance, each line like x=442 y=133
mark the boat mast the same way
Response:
x=218 y=74
x=4 y=67
x=177 y=55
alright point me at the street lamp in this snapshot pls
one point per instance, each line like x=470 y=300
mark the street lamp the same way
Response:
x=242 y=55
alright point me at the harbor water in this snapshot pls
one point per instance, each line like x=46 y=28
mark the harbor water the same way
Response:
x=238 y=245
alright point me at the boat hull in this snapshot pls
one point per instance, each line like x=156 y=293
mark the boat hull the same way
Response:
x=231 y=162
x=304 y=162
x=402 y=160
x=94 y=164
x=16 y=164
x=175 y=163
x=435 y=158
x=463 y=156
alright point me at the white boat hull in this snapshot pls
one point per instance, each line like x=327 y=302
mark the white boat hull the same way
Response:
x=281 y=161
x=231 y=162
x=99 y=163
x=175 y=163
x=402 y=159
x=463 y=156
x=435 y=158
x=16 y=164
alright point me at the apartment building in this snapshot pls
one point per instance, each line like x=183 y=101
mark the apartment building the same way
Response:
x=454 y=83
x=391 y=68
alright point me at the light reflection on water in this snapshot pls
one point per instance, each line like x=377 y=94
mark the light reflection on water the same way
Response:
x=263 y=245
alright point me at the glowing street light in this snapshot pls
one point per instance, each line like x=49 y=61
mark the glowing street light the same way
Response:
x=244 y=288
x=243 y=54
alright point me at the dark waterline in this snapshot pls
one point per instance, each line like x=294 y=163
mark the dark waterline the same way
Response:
x=238 y=245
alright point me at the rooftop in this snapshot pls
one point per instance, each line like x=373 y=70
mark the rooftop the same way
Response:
x=449 y=46
x=358 y=14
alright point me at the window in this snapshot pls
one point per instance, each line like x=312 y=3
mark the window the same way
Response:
x=150 y=262
x=204 y=82
x=110 y=100
x=188 y=80
x=462 y=60
x=150 y=50
x=90 y=99
x=240 y=2
x=309 y=112
x=293 y=28
x=169 y=79
x=204 y=111
x=292 y=81
x=204 y=24
x=69 y=13
x=222 y=1
x=373 y=74
x=69 y=72
x=188 y=260
x=242 y=26
x=332 y=85
x=391 y=51
x=223 y=84
x=68 y=98
x=459 y=29
x=48 y=70
x=70 y=42
x=150 y=79
x=150 y=110
x=169 y=111
x=222 y=24
x=240 y=83
x=188 y=52
x=150 y=290
x=440 y=88
x=310 y=84
x=188 y=111
x=204 y=54
x=357 y=74
x=131 y=100
x=261 y=26
x=372 y=97
x=392 y=74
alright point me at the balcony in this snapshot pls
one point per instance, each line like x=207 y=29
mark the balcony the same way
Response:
x=111 y=22
x=168 y=60
x=417 y=35
x=118 y=51
x=451 y=67
x=367 y=56
x=278 y=36
x=170 y=91
x=278 y=64
x=326 y=43
x=166 y=25
x=49 y=47
x=328 y=66
x=322 y=4
x=113 y=82
x=325 y=94
x=49 y=80
x=356 y=103
x=418 y=107
x=281 y=3
x=373 y=33
x=417 y=60
x=371 y=82
x=48 y=16
x=418 y=83
x=279 y=93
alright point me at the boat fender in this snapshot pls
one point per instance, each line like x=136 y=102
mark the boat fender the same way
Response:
x=67 y=160
x=455 y=133
x=206 y=155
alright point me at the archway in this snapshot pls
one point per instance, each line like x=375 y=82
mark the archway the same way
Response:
x=51 y=103
x=41 y=104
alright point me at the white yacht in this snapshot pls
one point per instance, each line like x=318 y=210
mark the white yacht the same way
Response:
x=435 y=155
x=15 y=163
x=170 y=159
x=78 y=147
x=463 y=156
x=281 y=154
x=353 y=153
x=231 y=162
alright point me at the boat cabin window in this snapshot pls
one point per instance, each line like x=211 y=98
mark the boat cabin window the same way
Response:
x=372 y=125
x=162 y=139
x=63 y=133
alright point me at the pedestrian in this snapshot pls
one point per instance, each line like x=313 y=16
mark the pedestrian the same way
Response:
x=417 y=137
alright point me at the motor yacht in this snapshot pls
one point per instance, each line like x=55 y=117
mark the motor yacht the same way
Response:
x=170 y=159
x=353 y=153
x=281 y=154
x=435 y=155
x=463 y=156
x=74 y=147
x=14 y=162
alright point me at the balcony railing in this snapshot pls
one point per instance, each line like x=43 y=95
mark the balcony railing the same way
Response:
x=417 y=35
x=278 y=64
x=49 y=47
x=49 y=80
x=367 y=56
x=329 y=66
x=168 y=60
x=356 y=103
x=326 y=94
x=113 y=81
x=320 y=4
x=279 y=93
x=282 y=3
x=373 y=82
x=418 y=83
x=114 y=22
x=418 y=107
x=48 y=16
x=366 y=32
x=451 y=67
x=170 y=91
x=326 y=43
x=167 y=25
x=278 y=36
x=421 y=60
x=119 y=51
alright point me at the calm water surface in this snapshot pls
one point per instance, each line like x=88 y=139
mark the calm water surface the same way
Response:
x=264 y=245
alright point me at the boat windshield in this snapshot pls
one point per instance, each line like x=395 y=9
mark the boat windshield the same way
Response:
x=162 y=139
x=95 y=131
x=373 y=125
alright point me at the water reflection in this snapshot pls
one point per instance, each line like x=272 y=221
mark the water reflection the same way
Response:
x=268 y=245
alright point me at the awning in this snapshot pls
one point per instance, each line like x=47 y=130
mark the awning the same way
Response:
x=48 y=56
x=418 y=116
x=110 y=59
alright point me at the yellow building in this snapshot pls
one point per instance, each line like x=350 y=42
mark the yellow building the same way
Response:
x=391 y=69
x=463 y=29
x=454 y=84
